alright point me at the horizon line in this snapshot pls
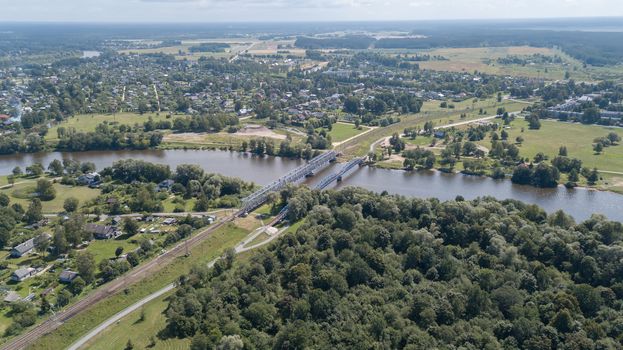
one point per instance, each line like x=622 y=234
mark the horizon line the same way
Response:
x=500 y=19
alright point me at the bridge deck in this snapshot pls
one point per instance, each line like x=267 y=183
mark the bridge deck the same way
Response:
x=258 y=198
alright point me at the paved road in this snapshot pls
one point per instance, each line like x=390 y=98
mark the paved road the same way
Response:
x=441 y=127
x=139 y=273
x=240 y=248
x=123 y=313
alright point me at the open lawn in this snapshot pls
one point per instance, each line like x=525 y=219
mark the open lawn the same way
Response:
x=344 y=131
x=22 y=193
x=105 y=249
x=88 y=122
x=578 y=139
x=223 y=238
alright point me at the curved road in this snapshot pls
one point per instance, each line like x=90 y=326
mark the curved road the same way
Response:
x=240 y=248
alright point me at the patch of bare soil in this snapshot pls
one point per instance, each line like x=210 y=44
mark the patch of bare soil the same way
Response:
x=260 y=131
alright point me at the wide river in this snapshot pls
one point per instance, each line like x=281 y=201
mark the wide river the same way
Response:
x=580 y=203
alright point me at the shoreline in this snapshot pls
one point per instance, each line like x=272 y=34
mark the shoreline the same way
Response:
x=199 y=148
x=507 y=178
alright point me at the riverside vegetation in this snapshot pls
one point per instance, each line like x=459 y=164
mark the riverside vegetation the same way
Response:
x=378 y=271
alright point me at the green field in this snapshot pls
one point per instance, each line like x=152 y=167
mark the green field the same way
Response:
x=212 y=247
x=578 y=139
x=182 y=51
x=88 y=122
x=344 y=131
x=430 y=112
x=140 y=331
x=484 y=59
x=105 y=249
x=21 y=193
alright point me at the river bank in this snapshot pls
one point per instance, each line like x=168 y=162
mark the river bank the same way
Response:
x=396 y=165
x=580 y=203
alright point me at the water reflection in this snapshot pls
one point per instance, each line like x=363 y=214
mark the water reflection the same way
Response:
x=580 y=203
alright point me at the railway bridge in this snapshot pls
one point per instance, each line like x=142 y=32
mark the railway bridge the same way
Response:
x=259 y=197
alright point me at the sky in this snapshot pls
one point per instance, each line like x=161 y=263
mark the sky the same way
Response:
x=298 y=10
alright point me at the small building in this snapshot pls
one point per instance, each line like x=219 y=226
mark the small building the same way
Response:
x=165 y=185
x=116 y=220
x=67 y=276
x=23 y=273
x=89 y=179
x=26 y=247
x=102 y=232
x=12 y=297
x=169 y=221
x=22 y=249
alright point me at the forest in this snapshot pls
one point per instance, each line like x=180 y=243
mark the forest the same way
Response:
x=594 y=48
x=377 y=271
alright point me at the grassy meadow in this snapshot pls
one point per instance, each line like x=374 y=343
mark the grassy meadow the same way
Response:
x=88 y=122
x=578 y=139
x=23 y=192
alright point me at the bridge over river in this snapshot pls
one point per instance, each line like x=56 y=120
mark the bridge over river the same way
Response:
x=319 y=162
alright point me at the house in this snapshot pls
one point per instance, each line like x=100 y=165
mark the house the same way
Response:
x=102 y=232
x=23 y=273
x=169 y=221
x=22 y=249
x=25 y=248
x=89 y=179
x=165 y=185
x=67 y=276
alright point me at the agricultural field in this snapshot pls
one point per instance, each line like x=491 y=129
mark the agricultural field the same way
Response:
x=271 y=47
x=183 y=51
x=578 y=139
x=484 y=60
x=23 y=192
x=88 y=122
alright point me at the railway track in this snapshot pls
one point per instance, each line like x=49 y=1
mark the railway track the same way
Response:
x=112 y=288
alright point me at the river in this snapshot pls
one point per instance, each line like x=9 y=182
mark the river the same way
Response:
x=580 y=203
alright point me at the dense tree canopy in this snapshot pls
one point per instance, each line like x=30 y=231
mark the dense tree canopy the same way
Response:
x=371 y=271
